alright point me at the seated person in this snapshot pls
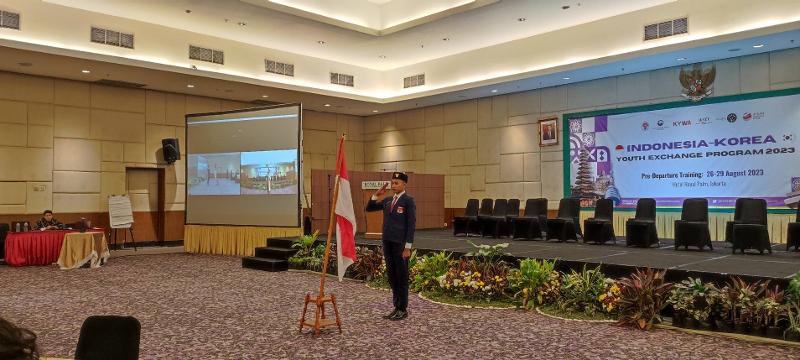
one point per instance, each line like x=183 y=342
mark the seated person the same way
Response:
x=48 y=222
x=16 y=343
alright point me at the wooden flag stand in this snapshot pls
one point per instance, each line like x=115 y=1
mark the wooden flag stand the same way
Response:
x=320 y=299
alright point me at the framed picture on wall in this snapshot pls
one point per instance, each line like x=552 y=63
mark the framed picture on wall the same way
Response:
x=548 y=131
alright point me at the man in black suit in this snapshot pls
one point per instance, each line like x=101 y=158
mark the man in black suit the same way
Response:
x=399 y=222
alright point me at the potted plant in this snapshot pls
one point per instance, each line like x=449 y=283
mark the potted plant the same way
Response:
x=680 y=298
x=644 y=294
x=691 y=298
x=772 y=311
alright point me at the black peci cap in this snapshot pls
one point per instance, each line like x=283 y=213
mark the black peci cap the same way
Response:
x=400 y=176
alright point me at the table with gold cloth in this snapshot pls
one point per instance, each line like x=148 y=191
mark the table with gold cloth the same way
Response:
x=78 y=249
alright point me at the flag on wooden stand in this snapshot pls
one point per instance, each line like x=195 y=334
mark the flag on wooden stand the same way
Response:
x=345 y=217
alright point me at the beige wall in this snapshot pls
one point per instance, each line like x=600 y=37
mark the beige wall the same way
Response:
x=64 y=145
x=489 y=147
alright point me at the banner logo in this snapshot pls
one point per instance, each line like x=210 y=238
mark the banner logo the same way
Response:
x=731 y=118
x=645 y=125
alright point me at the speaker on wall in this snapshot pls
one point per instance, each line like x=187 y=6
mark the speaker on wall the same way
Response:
x=171 y=149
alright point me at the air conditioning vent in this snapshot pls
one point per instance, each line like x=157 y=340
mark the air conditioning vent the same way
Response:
x=9 y=20
x=118 y=83
x=208 y=55
x=415 y=80
x=342 y=79
x=275 y=67
x=666 y=29
x=111 y=37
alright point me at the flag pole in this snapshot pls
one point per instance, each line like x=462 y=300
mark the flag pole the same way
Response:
x=319 y=317
x=331 y=222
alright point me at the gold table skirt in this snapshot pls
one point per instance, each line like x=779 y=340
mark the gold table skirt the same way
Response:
x=77 y=249
x=231 y=240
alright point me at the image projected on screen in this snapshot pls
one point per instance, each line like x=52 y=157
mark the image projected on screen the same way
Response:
x=244 y=167
x=269 y=172
x=214 y=174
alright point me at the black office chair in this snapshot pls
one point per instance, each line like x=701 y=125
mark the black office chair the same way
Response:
x=600 y=228
x=692 y=228
x=750 y=230
x=530 y=225
x=461 y=224
x=641 y=230
x=488 y=222
x=566 y=226
x=793 y=232
x=109 y=337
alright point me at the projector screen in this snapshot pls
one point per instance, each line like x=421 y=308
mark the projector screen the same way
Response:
x=243 y=167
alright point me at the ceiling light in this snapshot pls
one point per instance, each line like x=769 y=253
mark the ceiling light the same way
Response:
x=566 y=78
x=86 y=71
x=680 y=59
x=494 y=90
x=734 y=49
x=382 y=56
x=565 y=7
x=445 y=39
x=327 y=105
x=190 y=86
x=264 y=96
x=521 y=19
x=242 y=23
x=321 y=42
x=374 y=111
x=758 y=46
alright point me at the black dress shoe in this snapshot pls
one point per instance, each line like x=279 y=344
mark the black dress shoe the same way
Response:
x=399 y=315
x=391 y=314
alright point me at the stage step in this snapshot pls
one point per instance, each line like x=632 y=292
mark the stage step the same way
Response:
x=257 y=263
x=275 y=252
x=280 y=242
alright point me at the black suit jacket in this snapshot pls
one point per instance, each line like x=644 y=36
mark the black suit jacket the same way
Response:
x=398 y=223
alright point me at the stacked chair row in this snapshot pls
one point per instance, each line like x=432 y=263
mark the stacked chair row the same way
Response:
x=502 y=218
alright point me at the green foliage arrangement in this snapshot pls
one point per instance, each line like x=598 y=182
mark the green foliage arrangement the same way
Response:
x=580 y=291
x=426 y=270
x=530 y=281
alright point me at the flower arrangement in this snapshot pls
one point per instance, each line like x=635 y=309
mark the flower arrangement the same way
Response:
x=609 y=300
x=470 y=278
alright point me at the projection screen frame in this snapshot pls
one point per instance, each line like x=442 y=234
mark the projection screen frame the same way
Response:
x=300 y=164
x=661 y=106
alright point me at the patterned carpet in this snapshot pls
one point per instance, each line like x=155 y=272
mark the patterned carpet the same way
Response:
x=208 y=307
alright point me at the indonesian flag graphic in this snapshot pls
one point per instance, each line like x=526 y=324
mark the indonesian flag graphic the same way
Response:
x=345 y=217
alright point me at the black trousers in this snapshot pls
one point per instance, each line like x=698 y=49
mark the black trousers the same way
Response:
x=397 y=272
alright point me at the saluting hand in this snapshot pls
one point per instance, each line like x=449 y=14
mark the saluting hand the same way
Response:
x=382 y=190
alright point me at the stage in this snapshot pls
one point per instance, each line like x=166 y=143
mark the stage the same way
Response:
x=619 y=260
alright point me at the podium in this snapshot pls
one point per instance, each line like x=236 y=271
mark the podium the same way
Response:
x=373 y=220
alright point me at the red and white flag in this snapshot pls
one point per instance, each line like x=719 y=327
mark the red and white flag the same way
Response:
x=345 y=217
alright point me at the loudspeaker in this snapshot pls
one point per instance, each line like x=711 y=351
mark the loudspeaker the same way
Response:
x=171 y=149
